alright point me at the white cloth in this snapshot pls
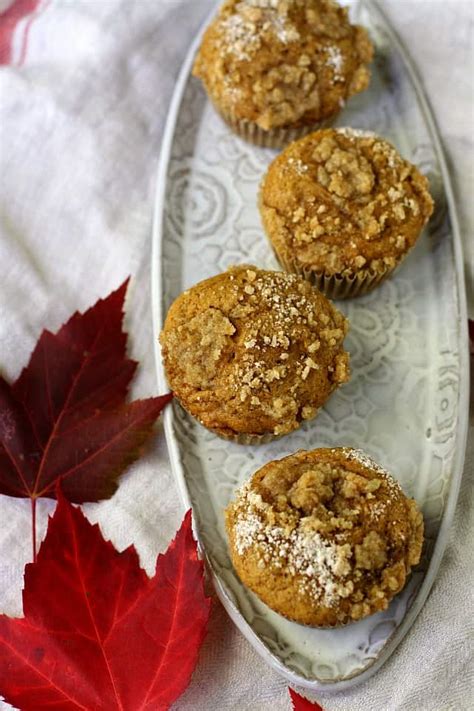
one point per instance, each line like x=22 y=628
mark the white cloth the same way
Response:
x=80 y=128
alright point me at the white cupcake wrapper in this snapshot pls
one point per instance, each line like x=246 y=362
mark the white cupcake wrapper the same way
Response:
x=252 y=439
x=339 y=286
x=273 y=138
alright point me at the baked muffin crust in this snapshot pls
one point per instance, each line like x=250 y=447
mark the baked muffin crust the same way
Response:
x=343 y=202
x=324 y=537
x=253 y=352
x=283 y=62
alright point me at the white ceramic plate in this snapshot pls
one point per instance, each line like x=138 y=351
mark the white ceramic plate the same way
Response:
x=406 y=404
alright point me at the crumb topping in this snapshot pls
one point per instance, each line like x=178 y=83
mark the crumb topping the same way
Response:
x=322 y=564
x=291 y=312
x=344 y=200
x=241 y=36
x=332 y=525
x=203 y=341
x=284 y=62
x=256 y=348
x=335 y=60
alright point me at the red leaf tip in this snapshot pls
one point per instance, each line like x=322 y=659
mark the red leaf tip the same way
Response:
x=300 y=703
x=121 y=291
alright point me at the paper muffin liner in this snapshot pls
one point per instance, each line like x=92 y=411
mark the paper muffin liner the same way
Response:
x=240 y=438
x=273 y=138
x=247 y=438
x=340 y=286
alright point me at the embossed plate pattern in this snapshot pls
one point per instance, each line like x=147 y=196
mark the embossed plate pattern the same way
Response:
x=406 y=403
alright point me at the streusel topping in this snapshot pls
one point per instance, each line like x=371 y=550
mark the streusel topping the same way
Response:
x=344 y=200
x=283 y=62
x=329 y=527
x=254 y=351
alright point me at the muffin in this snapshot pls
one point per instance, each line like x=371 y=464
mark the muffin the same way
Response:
x=276 y=69
x=324 y=537
x=342 y=208
x=252 y=353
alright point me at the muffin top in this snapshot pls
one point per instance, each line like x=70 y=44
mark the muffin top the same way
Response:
x=252 y=351
x=341 y=201
x=283 y=62
x=324 y=537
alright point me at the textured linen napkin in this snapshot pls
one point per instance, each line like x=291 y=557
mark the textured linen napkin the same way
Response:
x=84 y=91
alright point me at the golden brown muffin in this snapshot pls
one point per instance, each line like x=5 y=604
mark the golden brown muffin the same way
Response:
x=252 y=353
x=276 y=69
x=324 y=537
x=342 y=208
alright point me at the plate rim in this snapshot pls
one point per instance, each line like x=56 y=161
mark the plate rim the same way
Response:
x=463 y=397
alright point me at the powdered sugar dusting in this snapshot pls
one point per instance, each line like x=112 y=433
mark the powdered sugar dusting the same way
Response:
x=356 y=132
x=377 y=510
x=262 y=3
x=233 y=93
x=335 y=60
x=285 y=31
x=298 y=165
x=279 y=307
x=323 y=564
x=241 y=37
x=358 y=455
x=246 y=532
x=243 y=29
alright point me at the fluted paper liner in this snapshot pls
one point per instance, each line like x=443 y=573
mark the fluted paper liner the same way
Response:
x=253 y=439
x=339 y=286
x=273 y=138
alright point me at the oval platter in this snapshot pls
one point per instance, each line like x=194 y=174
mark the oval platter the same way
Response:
x=407 y=401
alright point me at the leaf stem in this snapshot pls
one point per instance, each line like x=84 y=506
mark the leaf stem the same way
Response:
x=33 y=526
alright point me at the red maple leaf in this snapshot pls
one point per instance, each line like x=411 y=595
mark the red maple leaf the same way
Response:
x=302 y=704
x=98 y=634
x=66 y=417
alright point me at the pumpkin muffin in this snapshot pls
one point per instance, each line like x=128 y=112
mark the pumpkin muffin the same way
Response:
x=276 y=69
x=252 y=353
x=342 y=208
x=324 y=537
